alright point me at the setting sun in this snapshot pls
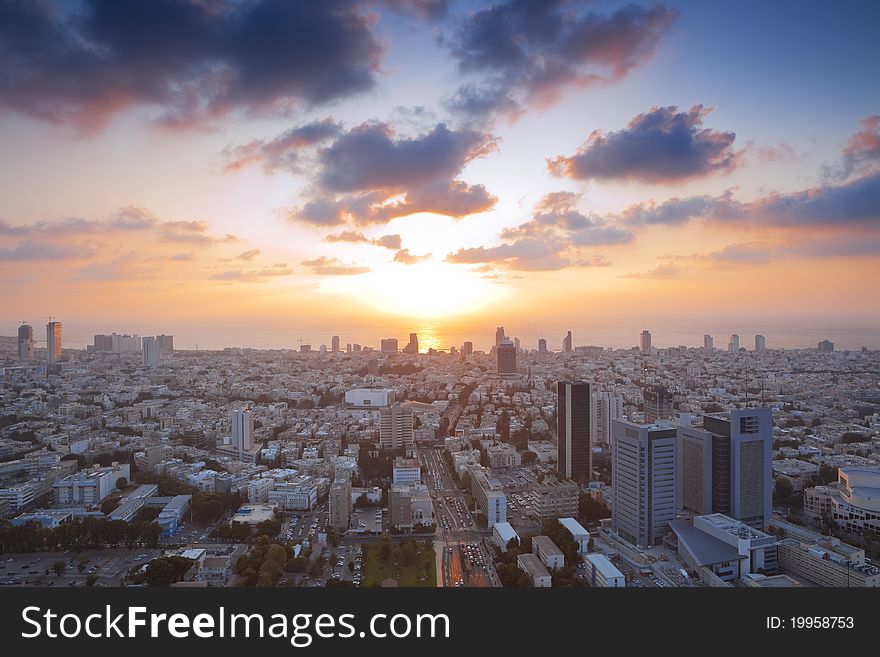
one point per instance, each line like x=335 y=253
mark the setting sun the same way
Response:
x=424 y=291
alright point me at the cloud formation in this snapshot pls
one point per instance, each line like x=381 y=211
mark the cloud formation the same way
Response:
x=553 y=239
x=81 y=63
x=407 y=258
x=662 y=146
x=254 y=275
x=282 y=152
x=353 y=237
x=527 y=53
x=417 y=174
x=326 y=266
x=862 y=152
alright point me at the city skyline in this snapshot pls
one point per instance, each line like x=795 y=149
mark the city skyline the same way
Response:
x=628 y=158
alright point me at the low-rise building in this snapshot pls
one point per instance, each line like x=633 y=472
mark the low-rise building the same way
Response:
x=537 y=572
x=602 y=573
x=548 y=552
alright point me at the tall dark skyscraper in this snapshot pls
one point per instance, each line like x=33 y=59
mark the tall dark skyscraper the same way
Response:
x=573 y=430
x=506 y=353
x=726 y=466
x=53 y=342
x=658 y=404
x=499 y=335
x=25 y=342
x=467 y=348
x=566 y=343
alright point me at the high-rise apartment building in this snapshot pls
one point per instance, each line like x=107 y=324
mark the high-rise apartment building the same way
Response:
x=25 y=342
x=334 y=344
x=826 y=347
x=389 y=346
x=658 y=404
x=566 y=343
x=53 y=342
x=242 y=429
x=499 y=335
x=166 y=343
x=413 y=346
x=605 y=408
x=467 y=349
x=726 y=466
x=643 y=480
x=733 y=345
x=506 y=354
x=340 y=505
x=575 y=454
x=708 y=342
x=760 y=343
x=645 y=342
x=542 y=349
x=395 y=427
x=151 y=351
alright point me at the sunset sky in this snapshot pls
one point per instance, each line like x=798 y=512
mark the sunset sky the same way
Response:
x=173 y=166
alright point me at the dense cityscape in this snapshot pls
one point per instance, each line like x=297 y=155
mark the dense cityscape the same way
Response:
x=130 y=463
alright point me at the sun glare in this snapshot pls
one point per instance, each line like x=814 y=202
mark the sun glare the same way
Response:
x=427 y=290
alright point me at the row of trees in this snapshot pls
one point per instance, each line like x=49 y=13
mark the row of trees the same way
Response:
x=263 y=565
x=88 y=532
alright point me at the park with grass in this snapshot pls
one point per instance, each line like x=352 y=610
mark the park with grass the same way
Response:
x=410 y=563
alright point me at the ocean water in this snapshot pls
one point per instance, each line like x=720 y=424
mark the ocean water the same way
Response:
x=778 y=334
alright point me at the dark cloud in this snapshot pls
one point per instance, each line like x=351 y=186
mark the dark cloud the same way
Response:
x=662 y=145
x=853 y=203
x=428 y=9
x=80 y=63
x=408 y=258
x=248 y=255
x=350 y=163
x=417 y=174
x=282 y=152
x=386 y=241
x=530 y=51
x=326 y=266
x=526 y=254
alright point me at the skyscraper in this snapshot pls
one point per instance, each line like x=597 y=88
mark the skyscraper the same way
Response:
x=242 y=429
x=658 y=404
x=575 y=454
x=566 y=343
x=733 y=345
x=605 y=408
x=166 y=343
x=151 y=351
x=340 y=504
x=726 y=466
x=413 y=346
x=760 y=343
x=389 y=346
x=499 y=335
x=708 y=342
x=467 y=349
x=395 y=427
x=542 y=349
x=334 y=344
x=645 y=343
x=826 y=347
x=25 y=342
x=643 y=480
x=506 y=354
x=53 y=342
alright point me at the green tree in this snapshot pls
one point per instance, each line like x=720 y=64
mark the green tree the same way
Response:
x=59 y=567
x=91 y=579
x=782 y=490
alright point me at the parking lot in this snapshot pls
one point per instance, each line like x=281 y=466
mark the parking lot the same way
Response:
x=37 y=569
